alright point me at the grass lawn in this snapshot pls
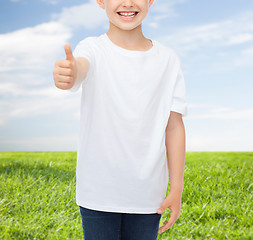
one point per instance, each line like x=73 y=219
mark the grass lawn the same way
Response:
x=37 y=197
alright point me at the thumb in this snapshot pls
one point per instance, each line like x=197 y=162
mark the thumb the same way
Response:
x=163 y=207
x=68 y=51
x=160 y=210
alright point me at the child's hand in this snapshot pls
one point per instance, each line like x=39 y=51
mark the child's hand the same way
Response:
x=65 y=71
x=173 y=202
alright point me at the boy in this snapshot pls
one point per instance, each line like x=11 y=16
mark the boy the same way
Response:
x=133 y=99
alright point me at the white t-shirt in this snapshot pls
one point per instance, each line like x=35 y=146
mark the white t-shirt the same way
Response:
x=126 y=101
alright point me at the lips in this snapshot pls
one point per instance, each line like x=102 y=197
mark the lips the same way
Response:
x=129 y=12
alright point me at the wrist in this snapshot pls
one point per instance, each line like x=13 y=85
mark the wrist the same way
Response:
x=178 y=191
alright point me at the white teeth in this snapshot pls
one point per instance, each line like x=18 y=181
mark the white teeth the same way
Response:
x=127 y=14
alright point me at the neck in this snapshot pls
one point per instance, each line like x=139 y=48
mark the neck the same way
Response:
x=128 y=38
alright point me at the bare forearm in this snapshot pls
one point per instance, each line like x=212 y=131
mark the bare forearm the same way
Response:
x=175 y=146
x=82 y=69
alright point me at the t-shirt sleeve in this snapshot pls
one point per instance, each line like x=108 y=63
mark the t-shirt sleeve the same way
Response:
x=179 y=103
x=83 y=49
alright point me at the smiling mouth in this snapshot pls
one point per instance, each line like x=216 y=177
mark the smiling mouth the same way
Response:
x=127 y=14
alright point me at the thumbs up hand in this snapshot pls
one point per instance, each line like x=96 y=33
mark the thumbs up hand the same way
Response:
x=65 y=71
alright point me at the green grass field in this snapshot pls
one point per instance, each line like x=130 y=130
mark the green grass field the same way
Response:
x=37 y=197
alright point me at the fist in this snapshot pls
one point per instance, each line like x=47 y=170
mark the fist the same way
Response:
x=65 y=71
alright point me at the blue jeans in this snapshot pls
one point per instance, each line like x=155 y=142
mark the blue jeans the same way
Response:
x=99 y=225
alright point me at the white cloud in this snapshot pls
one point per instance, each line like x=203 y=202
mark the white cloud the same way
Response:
x=211 y=36
x=244 y=58
x=240 y=38
x=53 y=2
x=219 y=142
x=224 y=113
x=1 y=122
x=221 y=110
x=220 y=128
x=88 y=15
x=165 y=6
x=32 y=48
x=153 y=24
x=199 y=105
x=162 y=10
x=41 y=143
x=17 y=90
x=23 y=102
x=26 y=78
x=219 y=47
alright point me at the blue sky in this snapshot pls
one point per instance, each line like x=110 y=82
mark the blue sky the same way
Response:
x=214 y=40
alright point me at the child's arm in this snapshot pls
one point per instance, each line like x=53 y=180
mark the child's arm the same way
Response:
x=175 y=147
x=71 y=71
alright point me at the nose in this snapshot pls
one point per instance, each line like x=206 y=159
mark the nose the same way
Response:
x=128 y=3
